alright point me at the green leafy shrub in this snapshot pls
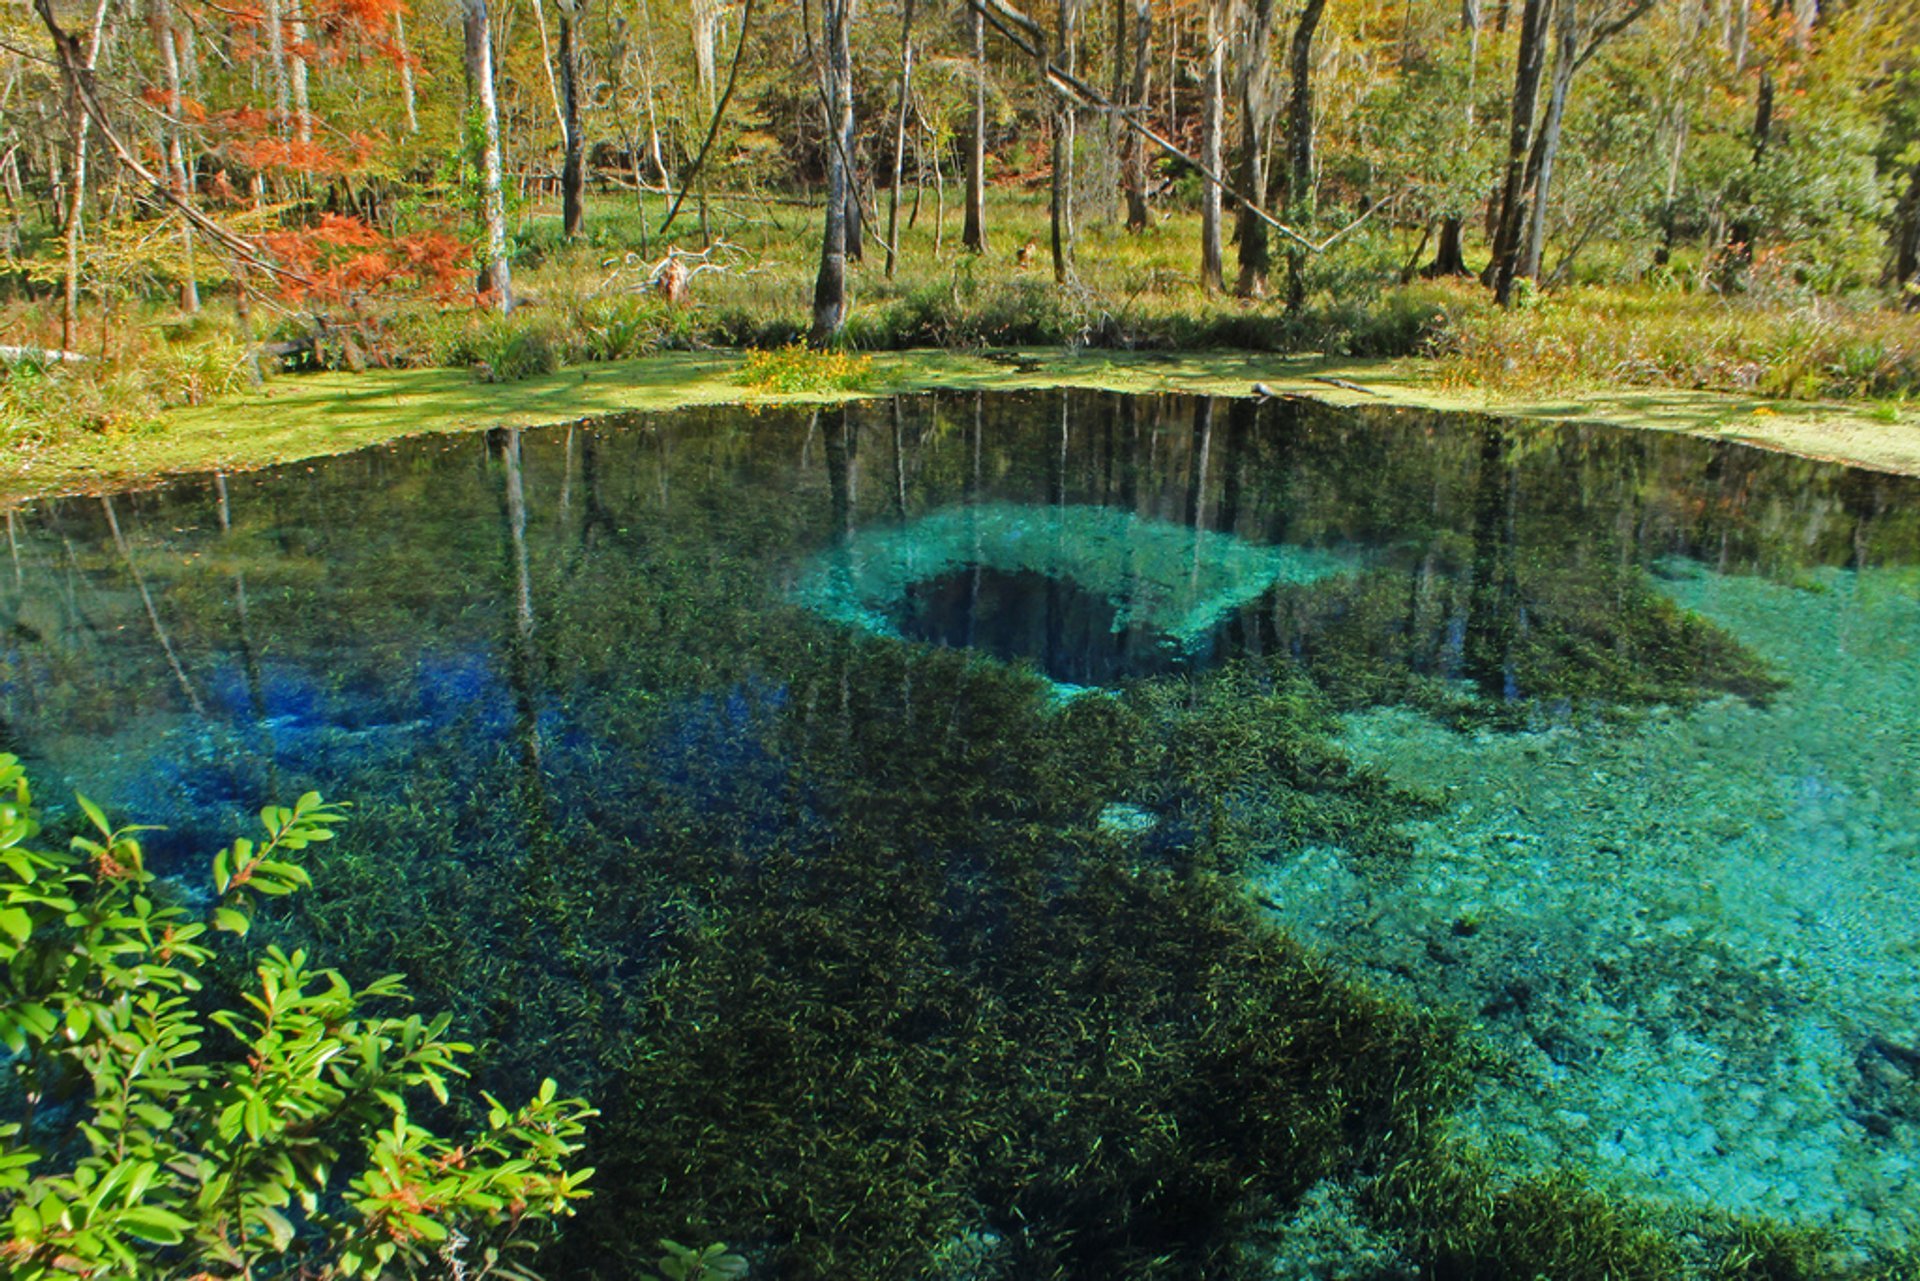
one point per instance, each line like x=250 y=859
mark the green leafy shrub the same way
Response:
x=157 y=1128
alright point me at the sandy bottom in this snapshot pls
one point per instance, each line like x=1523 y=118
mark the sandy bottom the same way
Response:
x=1693 y=941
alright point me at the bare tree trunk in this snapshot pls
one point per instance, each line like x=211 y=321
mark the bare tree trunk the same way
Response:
x=406 y=71
x=302 y=113
x=277 y=59
x=496 y=278
x=166 y=41
x=830 y=288
x=1449 y=257
x=703 y=18
x=79 y=127
x=973 y=232
x=1060 y=221
x=1212 y=119
x=573 y=170
x=1134 y=166
x=1513 y=196
x=900 y=134
x=1906 y=248
x=1566 y=55
x=1256 y=120
x=1744 y=229
x=1300 y=143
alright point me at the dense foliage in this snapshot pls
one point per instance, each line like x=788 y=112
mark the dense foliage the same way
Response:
x=167 y=1120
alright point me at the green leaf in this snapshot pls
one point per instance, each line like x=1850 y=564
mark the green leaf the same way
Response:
x=16 y=923
x=232 y=920
x=151 y=1223
x=93 y=812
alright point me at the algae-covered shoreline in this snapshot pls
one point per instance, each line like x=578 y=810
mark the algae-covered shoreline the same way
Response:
x=311 y=416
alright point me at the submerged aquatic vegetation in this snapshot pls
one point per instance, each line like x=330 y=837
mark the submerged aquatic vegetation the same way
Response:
x=830 y=915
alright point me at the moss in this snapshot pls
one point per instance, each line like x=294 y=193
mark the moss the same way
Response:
x=329 y=413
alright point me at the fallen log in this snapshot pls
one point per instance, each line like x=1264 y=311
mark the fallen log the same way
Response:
x=41 y=355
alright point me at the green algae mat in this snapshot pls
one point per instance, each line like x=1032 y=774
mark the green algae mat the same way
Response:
x=308 y=416
x=1489 y=851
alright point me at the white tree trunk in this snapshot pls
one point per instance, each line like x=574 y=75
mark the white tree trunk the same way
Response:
x=496 y=279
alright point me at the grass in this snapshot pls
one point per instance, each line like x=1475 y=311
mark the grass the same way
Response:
x=1646 y=353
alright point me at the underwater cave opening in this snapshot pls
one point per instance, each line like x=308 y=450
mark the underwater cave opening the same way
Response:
x=1073 y=635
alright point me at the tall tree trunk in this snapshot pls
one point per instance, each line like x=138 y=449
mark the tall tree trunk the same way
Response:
x=1906 y=247
x=1060 y=219
x=166 y=40
x=79 y=126
x=407 y=94
x=1300 y=143
x=1256 y=124
x=573 y=173
x=1513 y=196
x=1744 y=228
x=496 y=278
x=830 y=288
x=1212 y=119
x=1134 y=167
x=1546 y=147
x=973 y=231
x=276 y=24
x=704 y=17
x=900 y=134
x=297 y=65
x=1449 y=257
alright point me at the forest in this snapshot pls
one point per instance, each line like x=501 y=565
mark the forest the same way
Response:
x=1685 y=193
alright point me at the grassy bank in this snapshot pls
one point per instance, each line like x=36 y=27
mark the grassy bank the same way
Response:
x=161 y=393
x=334 y=412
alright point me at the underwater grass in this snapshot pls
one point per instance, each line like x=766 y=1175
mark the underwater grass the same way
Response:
x=829 y=925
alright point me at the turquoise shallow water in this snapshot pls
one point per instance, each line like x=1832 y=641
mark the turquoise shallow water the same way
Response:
x=1694 y=934
x=670 y=736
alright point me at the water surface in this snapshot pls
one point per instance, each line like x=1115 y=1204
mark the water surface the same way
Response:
x=1604 y=740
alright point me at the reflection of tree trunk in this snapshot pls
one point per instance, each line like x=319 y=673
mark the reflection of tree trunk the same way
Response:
x=899 y=463
x=973 y=233
x=1233 y=463
x=153 y=614
x=841 y=443
x=1490 y=616
x=520 y=650
x=242 y=624
x=1057 y=457
x=1197 y=462
x=1130 y=463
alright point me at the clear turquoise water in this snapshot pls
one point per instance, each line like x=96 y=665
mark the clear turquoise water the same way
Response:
x=1659 y=693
